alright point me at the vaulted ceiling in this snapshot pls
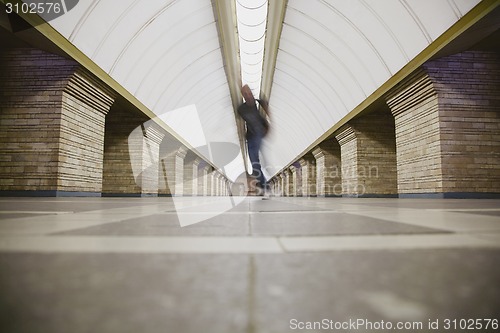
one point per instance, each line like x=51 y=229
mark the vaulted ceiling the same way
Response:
x=322 y=60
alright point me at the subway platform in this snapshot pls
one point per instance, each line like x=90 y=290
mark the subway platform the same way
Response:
x=277 y=265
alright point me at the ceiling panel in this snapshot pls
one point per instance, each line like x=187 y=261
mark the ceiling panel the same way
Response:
x=333 y=54
x=165 y=53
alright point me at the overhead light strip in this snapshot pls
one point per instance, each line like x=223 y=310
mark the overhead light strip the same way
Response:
x=251 y=19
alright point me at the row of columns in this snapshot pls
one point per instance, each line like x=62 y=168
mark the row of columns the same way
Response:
x=436 y=135
x=64 y=133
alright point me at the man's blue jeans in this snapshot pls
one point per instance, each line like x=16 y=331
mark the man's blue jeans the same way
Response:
x=253 y=153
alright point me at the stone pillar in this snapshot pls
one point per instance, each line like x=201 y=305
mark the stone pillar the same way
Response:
x=288 y=183
x=119 y=164
x=143 y=155
x=178 y=172
x=191 y=175
x=296 y=180
x=201 y=179
x=172 y=170
x=368 y=150
x=224 y=187
x=328 y=169
x=51 y=125
x=308 y=170
x=293 y=181
x=282 y=185
x=275 y=186
x=206 y=180
x=447 y=127
x=213 y=183
x=217 y=183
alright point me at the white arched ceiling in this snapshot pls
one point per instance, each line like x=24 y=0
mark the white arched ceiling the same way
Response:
x=333 y=54
x=167 y=54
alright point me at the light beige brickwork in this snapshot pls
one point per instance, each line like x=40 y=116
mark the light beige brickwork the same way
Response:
x=172 y=156
x=207 y=180
x=52 y=125
x=177 y=171
x=280 y=185
x=285 y=184
x=148 y=179
x=225 y=185
x=213 y=185
x=282 y=180
x=191 y=163
x=296 y=180
x=415 y=107
x=217 y=183
x=328 y=175
x=368 y=151
x=201 y=178
x=308 y=170
x=131 y=154
x=447 y=126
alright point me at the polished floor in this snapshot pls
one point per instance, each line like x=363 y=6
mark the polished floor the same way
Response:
x=247 y=265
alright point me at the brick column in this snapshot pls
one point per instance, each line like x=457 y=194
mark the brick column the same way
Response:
x=51 y=125
x=201 y=178
x=206 y=180
x=131 y=154
x=308 y=169
x=368 y=151
x=217 y=184
x=213 y=183
x=178 y=172
x=118 y=174
x=227 y=186
x=278 y=185
x=211 y=180
x=328 y=174
x=282 y=185
x=144 y=152
x=293 y=181
x=172 y=170
x=447 y=127
x=224 y=186
x=288 y=183
x=191 y=175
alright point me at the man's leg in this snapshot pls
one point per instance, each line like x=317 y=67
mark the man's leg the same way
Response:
x=253 y=154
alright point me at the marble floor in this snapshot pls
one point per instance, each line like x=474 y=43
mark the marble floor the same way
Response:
x=219 y=264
